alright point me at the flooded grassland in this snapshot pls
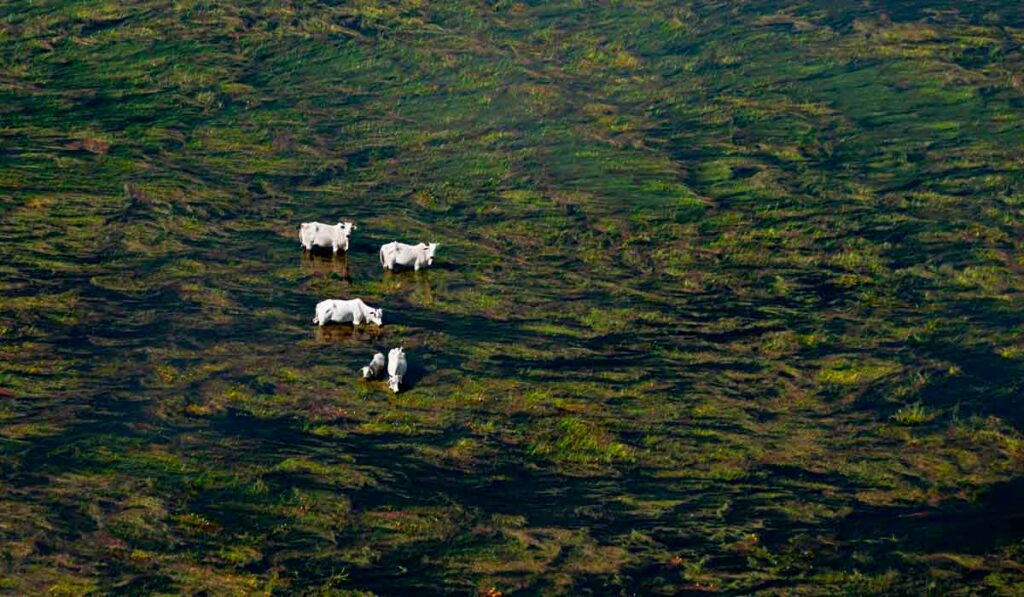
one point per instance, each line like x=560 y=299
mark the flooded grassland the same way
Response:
x=728 y=299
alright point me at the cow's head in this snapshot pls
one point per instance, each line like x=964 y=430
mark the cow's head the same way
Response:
x=431 y=249
x=346 y=227
x=375 y=316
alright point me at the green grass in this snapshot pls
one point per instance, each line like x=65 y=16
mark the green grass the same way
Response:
x=914 y=414
x=692 y=258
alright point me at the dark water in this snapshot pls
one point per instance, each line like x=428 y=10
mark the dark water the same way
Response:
x=728 y=299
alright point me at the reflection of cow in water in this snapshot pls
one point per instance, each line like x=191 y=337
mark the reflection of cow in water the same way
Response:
x=316 y=235
x=324 y=265
x=347 y=335
x=419 y=283
x=416 y=256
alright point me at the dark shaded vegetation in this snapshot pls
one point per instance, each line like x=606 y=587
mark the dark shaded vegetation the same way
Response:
x=729 y=297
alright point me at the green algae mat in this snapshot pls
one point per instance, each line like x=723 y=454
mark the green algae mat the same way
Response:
x=729 y=298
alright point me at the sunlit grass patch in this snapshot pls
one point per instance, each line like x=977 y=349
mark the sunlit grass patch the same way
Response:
x=554 y=329
x=336 y=474
x=990 y=279
x=859 y=582
x=1015 y=351
x=18 y=431
x=779 y=343
x=516 y=554
x=621 y=319
x=848 y=372
x=811 y=511
x=391 y=527
x=572 y=440
x=914 y=414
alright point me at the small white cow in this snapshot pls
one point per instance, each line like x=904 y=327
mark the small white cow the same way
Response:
x=396 y=253
x=353 y=311
x=376 y=367
x=315 y=234
x=397 y=366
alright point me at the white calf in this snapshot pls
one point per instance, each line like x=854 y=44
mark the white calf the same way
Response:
x=396 y=253
x=315 y=234
x=354 y=311
x=397 y=366
x=375 y=368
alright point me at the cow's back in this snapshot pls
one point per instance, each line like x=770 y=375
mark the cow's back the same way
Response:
x=407 y=254
x=324 y=236
x=343 y=311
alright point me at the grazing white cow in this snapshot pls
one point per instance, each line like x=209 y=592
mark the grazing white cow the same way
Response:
x=353 y=311
x=315 y=234
x=396 y=368
x=375 y=368
x=396 y=253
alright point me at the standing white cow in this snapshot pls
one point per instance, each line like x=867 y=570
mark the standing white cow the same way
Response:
x=396 y=253
x=315 y=234
x=353 y=311
x=397 y=366
x=375 y=368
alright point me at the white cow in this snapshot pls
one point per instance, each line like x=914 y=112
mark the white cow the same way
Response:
x=353 y=311
x=396 y=253
x=315 y=234
x=375 y=368
x=397 y=366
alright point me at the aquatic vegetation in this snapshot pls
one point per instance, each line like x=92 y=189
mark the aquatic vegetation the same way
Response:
x=574 y=441
x=914 y=414
x=701 y=270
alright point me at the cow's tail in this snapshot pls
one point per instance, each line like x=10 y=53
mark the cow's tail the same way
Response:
x=381 y=254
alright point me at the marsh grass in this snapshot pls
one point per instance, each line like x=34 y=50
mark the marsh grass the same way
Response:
x=692 y=260
x=914 y=414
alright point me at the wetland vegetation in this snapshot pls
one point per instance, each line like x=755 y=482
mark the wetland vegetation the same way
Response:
x=728 y=299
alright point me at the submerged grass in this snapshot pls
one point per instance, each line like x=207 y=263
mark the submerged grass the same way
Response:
x=692 y=258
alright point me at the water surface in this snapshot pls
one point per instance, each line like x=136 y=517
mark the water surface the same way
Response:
x=728 y=298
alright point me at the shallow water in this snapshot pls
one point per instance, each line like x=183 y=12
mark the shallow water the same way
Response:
x=728 y=298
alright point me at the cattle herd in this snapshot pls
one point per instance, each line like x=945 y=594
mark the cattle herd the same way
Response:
x=314 y=235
